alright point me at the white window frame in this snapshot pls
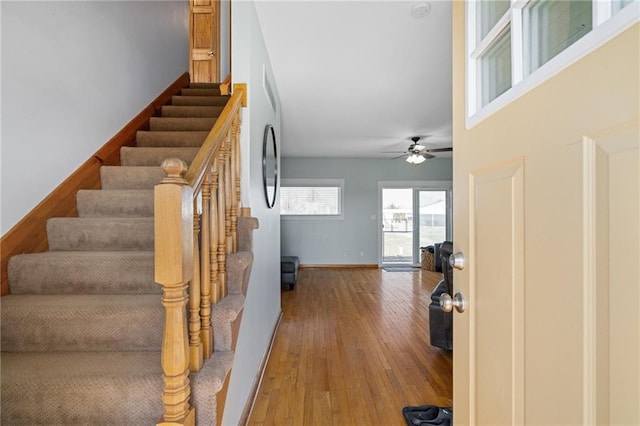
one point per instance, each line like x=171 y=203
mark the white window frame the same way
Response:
x=339 y=183
x=605 y=27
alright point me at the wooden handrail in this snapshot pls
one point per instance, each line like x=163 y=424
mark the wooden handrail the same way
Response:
x=214 y=141
x=195 y=230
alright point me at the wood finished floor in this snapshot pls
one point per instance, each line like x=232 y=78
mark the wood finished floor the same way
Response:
x=353 y=349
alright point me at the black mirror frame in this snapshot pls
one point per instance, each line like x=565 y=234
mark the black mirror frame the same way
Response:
x=269 y=136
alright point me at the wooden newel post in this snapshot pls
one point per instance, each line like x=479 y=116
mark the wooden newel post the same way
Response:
x=173 y=203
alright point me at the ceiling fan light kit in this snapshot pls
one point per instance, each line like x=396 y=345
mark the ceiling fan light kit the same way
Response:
x=415 y=159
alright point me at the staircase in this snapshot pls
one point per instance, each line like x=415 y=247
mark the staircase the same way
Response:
x=82 y=328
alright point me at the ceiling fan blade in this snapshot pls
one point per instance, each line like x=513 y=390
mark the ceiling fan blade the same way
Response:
x=439 y=150
x=399 y=156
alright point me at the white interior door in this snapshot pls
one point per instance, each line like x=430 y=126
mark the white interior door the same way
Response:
x=547 y=215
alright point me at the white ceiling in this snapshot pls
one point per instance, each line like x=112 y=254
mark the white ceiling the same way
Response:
x=357 y=78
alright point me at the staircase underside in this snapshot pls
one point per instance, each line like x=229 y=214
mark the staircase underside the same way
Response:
x=82 y=328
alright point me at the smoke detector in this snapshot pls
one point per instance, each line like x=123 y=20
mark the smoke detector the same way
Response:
x=421 y=10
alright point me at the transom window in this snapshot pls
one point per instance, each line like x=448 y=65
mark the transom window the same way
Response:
x=514 y=45
x=311 y=198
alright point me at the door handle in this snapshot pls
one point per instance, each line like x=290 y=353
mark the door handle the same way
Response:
x=210 y=53
x=447 y=303
x=457 y=260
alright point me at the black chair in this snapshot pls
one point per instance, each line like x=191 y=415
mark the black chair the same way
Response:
x=441 y=323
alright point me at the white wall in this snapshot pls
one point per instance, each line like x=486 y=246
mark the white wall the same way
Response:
x=225 y=38
x=262 y=306
x=354 y=239
x=73 y=74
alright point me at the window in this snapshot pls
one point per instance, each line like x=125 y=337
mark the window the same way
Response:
x=311 y=198
x=552 y=26
x=495 y=69
x=514 y=45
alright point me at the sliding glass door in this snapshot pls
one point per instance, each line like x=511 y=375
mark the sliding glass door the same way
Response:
x=432 y=211
x=397 y=226
x=412 y=217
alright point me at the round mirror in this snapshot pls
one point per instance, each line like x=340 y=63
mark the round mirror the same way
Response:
x=270 y=165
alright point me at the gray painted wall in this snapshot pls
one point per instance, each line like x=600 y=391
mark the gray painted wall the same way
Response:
x=73 y=74
x=225 y=38
x=262 y=305
x=354 y=239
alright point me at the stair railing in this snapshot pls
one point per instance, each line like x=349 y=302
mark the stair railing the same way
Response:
x=196 y=213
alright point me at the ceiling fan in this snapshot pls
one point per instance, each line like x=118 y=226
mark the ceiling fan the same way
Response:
x=417 y=153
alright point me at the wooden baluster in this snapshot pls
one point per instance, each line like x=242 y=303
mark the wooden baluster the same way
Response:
x=195 y=343
x=235 y=156
x=229 y=191
x=213 y=250
x=205 y=302
x=173 y=222
x=222 y=237
x=233 y=208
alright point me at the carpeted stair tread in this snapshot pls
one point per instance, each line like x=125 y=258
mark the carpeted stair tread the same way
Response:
x=223 y=314
x=85 y=272
x=181 y=124
x=246 y=226
x=82 y=322
x=199 y=85
x=101 y=234
x=170 y=138
x=136 y=156
x=238 y=271
x=131 y=177
x=197 y=91
x=191 y=111
x=206 y=383
x=90 y=388
x=199 y=100
x=115 y=203
x=99 y=388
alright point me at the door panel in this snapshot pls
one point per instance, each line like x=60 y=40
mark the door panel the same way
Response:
x=204 y=40
x=618 y=166
x=497 y=218
x=555 y=277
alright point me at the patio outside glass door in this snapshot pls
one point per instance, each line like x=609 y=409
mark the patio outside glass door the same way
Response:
x=433 y=215
x=397 y=226
x=412 y=218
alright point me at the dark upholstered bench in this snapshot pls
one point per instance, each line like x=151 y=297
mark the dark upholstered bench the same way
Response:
x=289 y=270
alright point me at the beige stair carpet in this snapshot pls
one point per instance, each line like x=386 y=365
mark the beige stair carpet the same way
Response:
x=81 y=331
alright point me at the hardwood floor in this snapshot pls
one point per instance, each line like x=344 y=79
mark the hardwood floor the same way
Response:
x=353 y=349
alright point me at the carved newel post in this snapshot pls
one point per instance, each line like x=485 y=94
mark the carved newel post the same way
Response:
x=173 y=203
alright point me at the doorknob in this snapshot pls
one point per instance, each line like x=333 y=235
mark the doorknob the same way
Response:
x=447 y=303
x=456 y=260
x=210 y=53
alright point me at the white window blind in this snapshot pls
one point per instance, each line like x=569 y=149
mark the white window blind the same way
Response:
x=311 y=198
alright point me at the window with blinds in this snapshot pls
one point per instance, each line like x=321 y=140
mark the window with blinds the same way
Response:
x=311 y=198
